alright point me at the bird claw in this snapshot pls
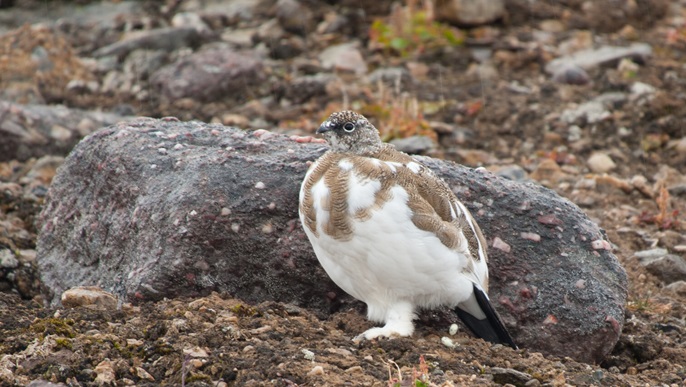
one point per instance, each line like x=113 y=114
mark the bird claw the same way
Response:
x=375 y=333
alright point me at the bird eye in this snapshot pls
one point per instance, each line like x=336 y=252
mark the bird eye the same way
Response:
x=349 y=127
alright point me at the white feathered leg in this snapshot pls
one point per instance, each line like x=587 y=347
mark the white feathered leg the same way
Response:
x=398 y=323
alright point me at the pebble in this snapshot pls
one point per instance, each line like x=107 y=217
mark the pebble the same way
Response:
x=88 y=296
x=396 y=76
x=453 y=329
x=143 y=374
x=509 y=375
x=309 y=355
x=448 y=342
x=294 y=16
x=344 y=57
x=501 y=245
x=591 y=111
x=600 y=163
x=512 y=172
x=7 y=259
x=678 y=287
x=189 y=19
x=591 y=58
x=470 y=13
x=354 y=369
x=105 y=373
x=571 y=74
x=669 y=268
x=197 y=352
x=650 y=254
x=640 y=90
x=317 y=370
x=532 y=236
x=414 y=144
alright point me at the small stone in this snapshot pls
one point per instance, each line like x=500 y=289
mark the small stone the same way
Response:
x=317 y=370
x=591 y=111
x=143 y=374
x=345 y=57
x=453 y=329
x=548 y=172
x=88 y=296
x=448 y=342
x=669 y=268
x=600 y=163
x=641 y=90
x=651 y=254
x=414 y=144
x=512 y=172
x=601 y=244
x=197 y=352
x=476 y=157
x=532 y=383
x=509 y=375
x=591 y=58
x=294 y=16
x=236 y=120
x=260 y=185
x=105 y=373
x=189 y=19
x=262 y=329
x=309 y=355
x=248 y=348
x=7 y=259
x=339 y=351
x=225 y=211
x=571 y=74
x=678 y=288
x=532 y=236
x=501 y=245
x=395 y=76
x=134 y=342
x=469 y=13
x=604 y=182
x=60 y=133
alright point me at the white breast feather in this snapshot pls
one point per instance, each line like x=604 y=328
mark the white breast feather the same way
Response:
x=320 y=195
x=361 y=193
x=414 y=167
x=345 y=165
x=390 y=259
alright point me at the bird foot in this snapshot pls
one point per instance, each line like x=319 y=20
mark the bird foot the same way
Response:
x=389 y=331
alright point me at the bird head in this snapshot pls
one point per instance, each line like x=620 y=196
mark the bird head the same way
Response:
x=351 y=132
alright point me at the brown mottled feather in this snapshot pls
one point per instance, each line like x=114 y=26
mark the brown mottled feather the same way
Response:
x=430 y=199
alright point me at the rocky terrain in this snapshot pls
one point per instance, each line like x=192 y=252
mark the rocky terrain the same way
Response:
x=584 y=98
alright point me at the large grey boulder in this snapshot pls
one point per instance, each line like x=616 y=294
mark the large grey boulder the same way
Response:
x=158 y=208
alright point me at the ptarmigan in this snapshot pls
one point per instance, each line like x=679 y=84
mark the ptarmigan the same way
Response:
x=392 y=234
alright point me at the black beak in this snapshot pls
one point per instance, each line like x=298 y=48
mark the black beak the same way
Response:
x=324 y=127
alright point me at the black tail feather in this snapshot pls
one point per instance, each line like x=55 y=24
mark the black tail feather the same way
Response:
x=491 y=328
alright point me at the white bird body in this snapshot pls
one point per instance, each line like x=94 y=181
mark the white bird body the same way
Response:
x=389 y=232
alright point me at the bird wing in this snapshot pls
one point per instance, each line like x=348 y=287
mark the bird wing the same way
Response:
x=437 y=209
